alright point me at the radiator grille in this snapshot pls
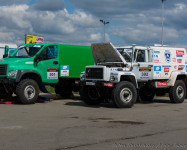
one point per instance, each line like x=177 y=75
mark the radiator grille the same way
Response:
x=3 y=69
x=94 y=73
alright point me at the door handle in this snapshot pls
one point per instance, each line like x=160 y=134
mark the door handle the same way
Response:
x=55 y=62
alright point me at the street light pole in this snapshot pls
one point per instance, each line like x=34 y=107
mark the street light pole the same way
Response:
x=163 y=22
x=104 y=23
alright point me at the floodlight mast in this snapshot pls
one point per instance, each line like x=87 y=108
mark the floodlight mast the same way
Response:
x=104 y=23
x=163 y=22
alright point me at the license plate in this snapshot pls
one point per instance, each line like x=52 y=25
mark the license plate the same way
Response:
x=90 y=83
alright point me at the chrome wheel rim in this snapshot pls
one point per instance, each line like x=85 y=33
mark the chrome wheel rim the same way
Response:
x=126 y=95
x=180 y=92
x=29 y=92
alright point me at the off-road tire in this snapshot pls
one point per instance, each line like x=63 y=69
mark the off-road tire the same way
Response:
x=124 y=95
x=27 y=91
x=147 y=94
x=90 y=95
x=177 y=93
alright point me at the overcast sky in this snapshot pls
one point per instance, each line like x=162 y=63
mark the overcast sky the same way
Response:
x=77 y=21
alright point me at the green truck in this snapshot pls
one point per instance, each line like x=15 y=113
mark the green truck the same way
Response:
x=32 y=66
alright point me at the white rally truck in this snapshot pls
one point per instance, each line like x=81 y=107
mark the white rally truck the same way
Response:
x=126 y=73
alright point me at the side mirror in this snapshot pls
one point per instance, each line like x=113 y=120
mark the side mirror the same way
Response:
x=37 y=58
x=6 y=51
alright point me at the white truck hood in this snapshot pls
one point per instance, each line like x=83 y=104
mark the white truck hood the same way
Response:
x=106 y=53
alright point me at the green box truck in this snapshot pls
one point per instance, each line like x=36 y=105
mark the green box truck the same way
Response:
x=32 y=66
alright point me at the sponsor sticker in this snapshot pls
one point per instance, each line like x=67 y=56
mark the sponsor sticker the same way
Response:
x=166 y=69
x=167 y=56
x=174 y=59
x=179 y=60
x=179 y=55
x=179 y=52
x=113 y=69
x=157 y=68
x=156 y=61
x=64 y=70
x=162 y=83
x=167 y=66
x=157 y=52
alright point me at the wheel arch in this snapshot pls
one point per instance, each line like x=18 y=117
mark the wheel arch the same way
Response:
x=129 y=78
x=24 y=74
x=177 y=76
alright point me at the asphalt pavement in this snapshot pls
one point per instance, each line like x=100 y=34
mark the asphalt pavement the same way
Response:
x=70 y=124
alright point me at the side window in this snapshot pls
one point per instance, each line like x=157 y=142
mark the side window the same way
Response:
x=49 y=52
x=140 y=56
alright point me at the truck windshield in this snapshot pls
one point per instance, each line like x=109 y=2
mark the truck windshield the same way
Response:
x=26 y=51
x=126 y=53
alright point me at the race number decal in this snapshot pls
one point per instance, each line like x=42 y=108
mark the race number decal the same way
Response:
x=52 y=73
x=145 y=73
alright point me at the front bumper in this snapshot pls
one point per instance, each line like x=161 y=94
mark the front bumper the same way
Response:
x=7 y=81
x=97 y=84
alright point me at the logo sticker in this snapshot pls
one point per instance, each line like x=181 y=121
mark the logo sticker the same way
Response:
x=166 y=69
x=179 y=52
x=64 y=70
x=167 y=56
x=179 y=60
x=161 y=83
x=174 y=59
x=157 y=68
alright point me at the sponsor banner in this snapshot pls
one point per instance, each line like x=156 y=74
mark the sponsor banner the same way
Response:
x=33 y=39
x=40 y=40
x=30 y=39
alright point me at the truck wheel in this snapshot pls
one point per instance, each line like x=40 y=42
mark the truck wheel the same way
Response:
x=124 y=95
x=90 y=95
x=147 y=94
x=177 y=93
x=27 y=91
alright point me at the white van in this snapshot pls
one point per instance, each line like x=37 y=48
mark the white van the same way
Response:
x=2 y=48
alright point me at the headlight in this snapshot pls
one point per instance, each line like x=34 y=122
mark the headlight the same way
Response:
x=82 y=77
x=112 y=78
x=13 y=73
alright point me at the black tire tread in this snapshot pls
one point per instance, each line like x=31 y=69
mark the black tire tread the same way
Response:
x=19 y=91
x=172 y=92
x=115 y=95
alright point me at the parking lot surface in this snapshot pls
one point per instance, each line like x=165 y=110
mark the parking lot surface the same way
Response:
x=70 y=124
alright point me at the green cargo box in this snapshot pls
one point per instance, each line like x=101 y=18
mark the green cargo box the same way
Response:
x=73 y=60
